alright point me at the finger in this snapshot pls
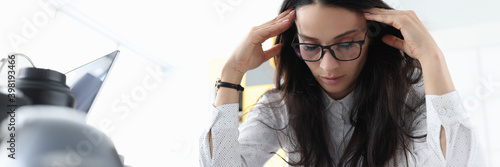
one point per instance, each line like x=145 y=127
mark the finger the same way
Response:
x=382 y=18
x=283 y=16
x=397 y=43
x=284 y=13
x=395 y=18
x=380 y=11
x=273 y=51
x=261 y=34
x=277 y=18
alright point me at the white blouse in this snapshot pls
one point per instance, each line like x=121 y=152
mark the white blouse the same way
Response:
x=254 y=143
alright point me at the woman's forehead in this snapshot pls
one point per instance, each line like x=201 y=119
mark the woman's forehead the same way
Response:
x=320 y=21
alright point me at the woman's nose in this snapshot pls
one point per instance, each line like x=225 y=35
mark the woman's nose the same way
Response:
x=328 y=62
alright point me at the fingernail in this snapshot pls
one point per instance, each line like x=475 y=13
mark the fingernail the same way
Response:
x=286 y=20
x=292 y=11
x=366 y=13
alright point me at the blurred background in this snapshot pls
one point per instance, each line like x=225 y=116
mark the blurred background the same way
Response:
x=170 y=44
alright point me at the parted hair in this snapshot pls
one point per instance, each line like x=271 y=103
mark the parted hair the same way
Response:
x=384 y=102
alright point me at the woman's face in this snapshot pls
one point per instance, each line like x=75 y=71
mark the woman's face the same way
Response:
x=326 y=25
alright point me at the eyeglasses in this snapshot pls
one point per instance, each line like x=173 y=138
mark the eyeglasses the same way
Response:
x=344 y=51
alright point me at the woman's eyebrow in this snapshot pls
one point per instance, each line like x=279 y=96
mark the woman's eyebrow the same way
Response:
x=336 y=37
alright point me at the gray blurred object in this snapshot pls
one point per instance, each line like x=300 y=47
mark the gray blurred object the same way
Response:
x=50 y=132
x=85 y=90
x=86 y=81
x=56 y=136
x=44 y=86
x=20 y=100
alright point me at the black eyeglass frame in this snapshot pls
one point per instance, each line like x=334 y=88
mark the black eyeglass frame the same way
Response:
x=329 y=48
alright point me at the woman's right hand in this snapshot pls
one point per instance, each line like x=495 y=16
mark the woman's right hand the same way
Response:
x=249 y=53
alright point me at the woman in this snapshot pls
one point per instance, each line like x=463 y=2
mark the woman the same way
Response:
x=349 y=92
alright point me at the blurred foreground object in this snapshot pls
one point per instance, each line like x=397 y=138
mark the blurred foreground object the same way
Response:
x=55 y=136
x=49 y=131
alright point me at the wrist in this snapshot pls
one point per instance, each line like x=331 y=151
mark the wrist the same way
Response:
x=433 y=57
x=437 y=78
x=231 y=75
x=220 y=84
x=227 y=95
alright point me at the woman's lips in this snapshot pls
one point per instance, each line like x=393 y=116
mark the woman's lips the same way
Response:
x=332 y=80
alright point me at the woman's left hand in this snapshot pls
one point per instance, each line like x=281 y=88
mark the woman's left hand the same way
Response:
x=418 y=42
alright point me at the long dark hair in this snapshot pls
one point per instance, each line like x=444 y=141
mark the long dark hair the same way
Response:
x=384 y=101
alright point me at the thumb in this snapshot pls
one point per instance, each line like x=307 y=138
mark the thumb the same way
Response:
x=396 y=42
x=273 y=51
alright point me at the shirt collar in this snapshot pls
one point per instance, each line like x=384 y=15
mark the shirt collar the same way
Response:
x=346 y=102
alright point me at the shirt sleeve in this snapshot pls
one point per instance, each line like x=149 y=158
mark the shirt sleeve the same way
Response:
x=462 y=145
x=252 y=143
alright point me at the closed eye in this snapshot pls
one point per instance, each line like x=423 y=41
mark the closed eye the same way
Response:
x=346 y=45
x=310 y=47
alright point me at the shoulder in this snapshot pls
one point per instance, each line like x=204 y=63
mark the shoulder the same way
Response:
x=271 y=107
x=419 y=89
x=271 y=100
x=415 y=99
x=272 y=95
